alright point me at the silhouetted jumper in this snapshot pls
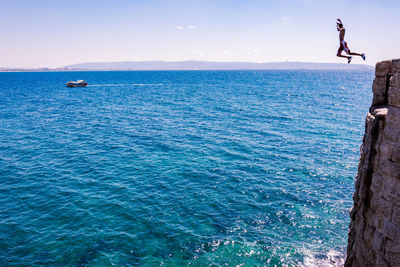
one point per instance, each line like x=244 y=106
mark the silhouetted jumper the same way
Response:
x=343 y=45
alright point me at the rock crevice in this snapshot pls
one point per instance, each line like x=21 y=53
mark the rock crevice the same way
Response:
x=374 y=234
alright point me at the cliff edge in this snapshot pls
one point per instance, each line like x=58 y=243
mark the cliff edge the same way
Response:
x=374 y=234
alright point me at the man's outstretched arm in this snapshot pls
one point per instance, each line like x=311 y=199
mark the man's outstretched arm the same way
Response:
x=339 y=24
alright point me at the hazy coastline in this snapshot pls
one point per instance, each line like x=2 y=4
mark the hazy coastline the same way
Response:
x=195 y=65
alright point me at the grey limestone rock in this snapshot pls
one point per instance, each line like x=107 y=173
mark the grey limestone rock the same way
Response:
x=374 y=232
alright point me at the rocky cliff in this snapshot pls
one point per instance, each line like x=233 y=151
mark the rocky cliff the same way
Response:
x=374 y=235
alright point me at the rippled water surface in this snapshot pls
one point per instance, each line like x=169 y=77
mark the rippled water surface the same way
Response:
x=178 y=168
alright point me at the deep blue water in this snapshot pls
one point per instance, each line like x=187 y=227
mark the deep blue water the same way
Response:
x=178 y=168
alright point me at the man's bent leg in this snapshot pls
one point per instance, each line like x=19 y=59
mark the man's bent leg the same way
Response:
x=340 y=55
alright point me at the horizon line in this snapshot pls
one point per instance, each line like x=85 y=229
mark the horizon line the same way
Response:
x=66 y=67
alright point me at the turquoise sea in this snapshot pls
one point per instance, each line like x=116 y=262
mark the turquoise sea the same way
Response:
x=176 y=168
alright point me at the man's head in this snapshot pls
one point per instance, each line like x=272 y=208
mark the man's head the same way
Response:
x=339 y=25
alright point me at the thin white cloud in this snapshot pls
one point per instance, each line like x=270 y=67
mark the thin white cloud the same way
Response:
x=181 y=27
x=253 y=50
x=199 y=54
x=229 y=53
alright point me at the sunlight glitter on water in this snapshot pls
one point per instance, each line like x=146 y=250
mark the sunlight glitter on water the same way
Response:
x=178 y=168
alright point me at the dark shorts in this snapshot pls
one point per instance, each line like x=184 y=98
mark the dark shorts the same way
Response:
x=343 y=47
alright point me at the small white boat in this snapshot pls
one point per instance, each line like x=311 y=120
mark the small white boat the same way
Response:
x=80 y=83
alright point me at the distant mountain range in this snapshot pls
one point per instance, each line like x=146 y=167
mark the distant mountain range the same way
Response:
x=201 y=65
x=206 y=65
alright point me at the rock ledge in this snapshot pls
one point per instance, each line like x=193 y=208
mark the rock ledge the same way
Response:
x=374 y=234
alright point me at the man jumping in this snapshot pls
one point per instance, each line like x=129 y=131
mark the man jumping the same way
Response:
x=343 y=44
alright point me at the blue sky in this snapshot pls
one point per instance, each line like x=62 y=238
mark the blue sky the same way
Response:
x=54 y=33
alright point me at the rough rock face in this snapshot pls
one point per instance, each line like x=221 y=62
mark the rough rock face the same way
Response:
x=374 y=235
